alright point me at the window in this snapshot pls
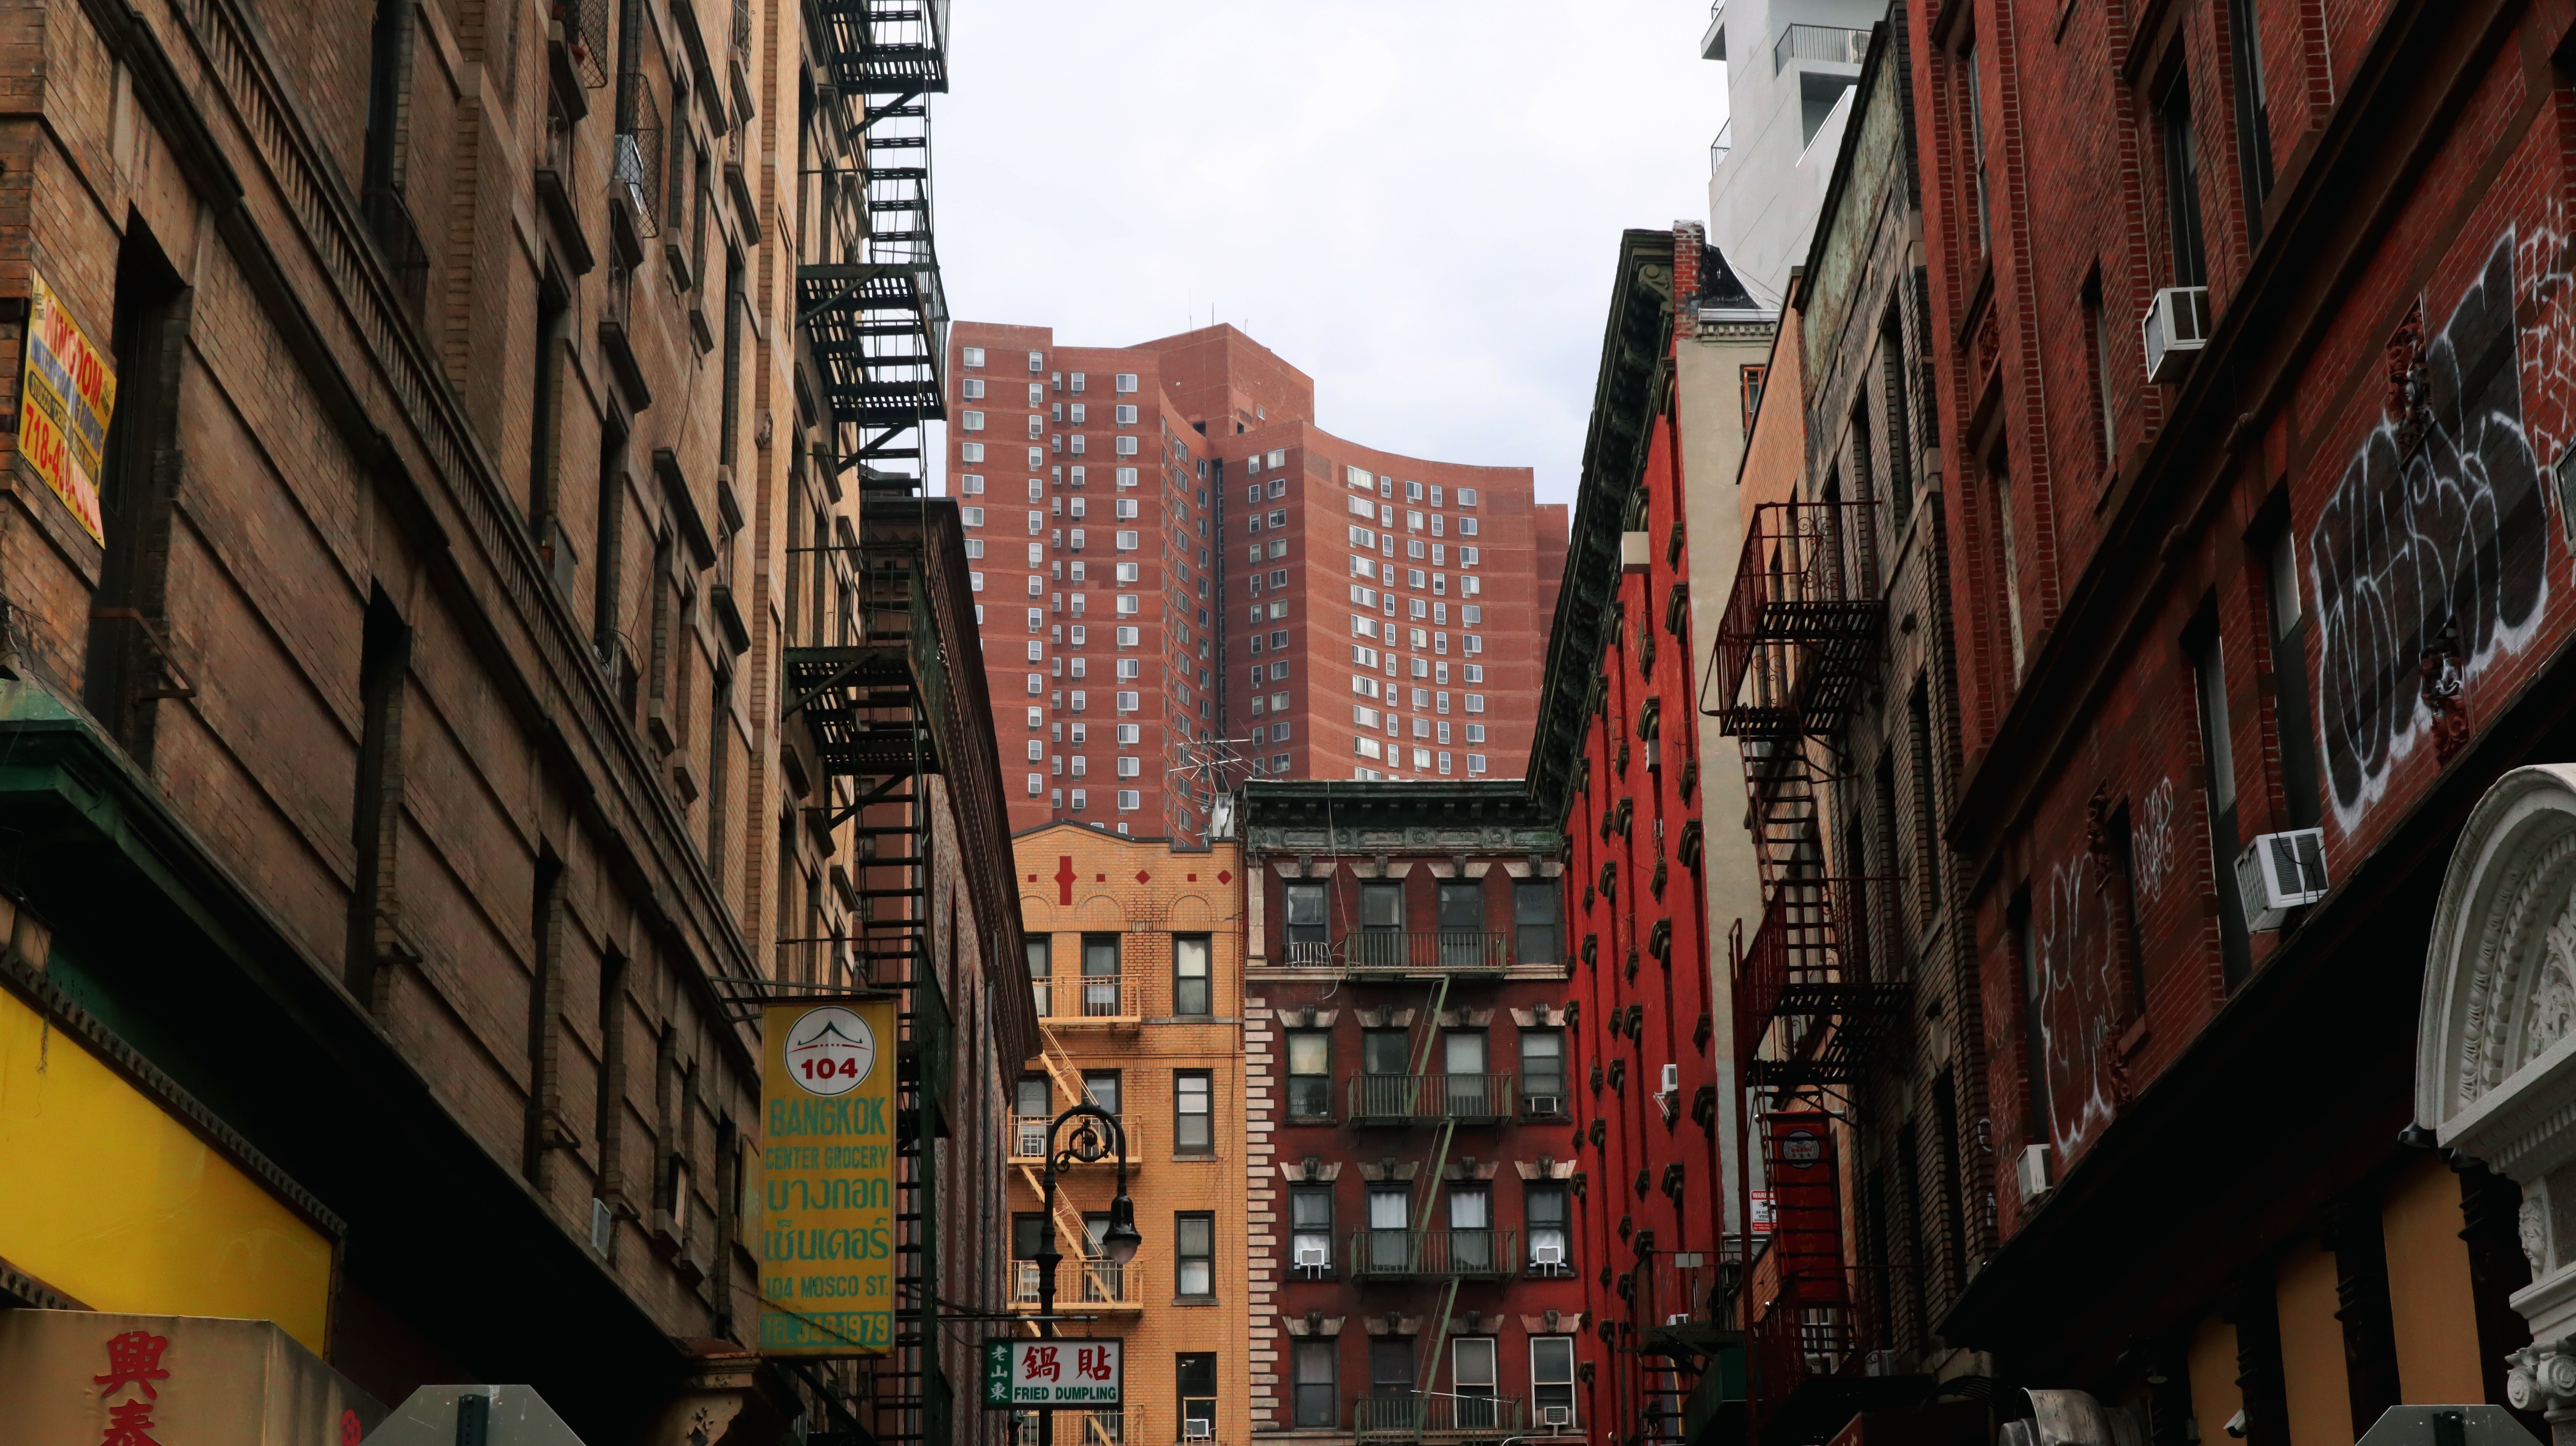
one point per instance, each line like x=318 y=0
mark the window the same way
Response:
x=2217 y=753
x=1310 y=1073
x=1999 y=485
x=1100 y=976
x=1543 y=1064
x=1192 y=1121
x=1195 y=1374
x=1128 y=605
x=1194 y=1255
x=1381 y=941
x=2253 y=113
x=1100 y=1087
x=1466 y=527
x=1974 y=102
x=1041 y=948
x=1471 y=1374
x=1126 y=383
x=1037 y=362
x=2290 y=672
x=1543 y=1210
x=1028 y=1235
x=1552 y=1379
x=974 y=389
x=1077 y=379
x=1305 y=923
x=1130 y=733
x=1534 y=920
x=2182 y=186
x=971 y=516
x=1462 y=1059
x=1126 y=415
x=1129 y=799
x=1475 y=763
x=971 y=422
x=1130 y=767
x=1391 y=1238
x=1475 y=703
x=2097 y=340
x=1475 y=731
x=1318 y=1398
x=1126 y=446
x=1126 y=542
x=974 y=356
x=970 y=451
x=1191 y=987
x=1391 y=1367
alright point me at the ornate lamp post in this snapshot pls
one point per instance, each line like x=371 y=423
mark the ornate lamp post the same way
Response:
x=1118 y=1243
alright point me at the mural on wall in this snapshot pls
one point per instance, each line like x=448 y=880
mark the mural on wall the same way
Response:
x=2429 y=562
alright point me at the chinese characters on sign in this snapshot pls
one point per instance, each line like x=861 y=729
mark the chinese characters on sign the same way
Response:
x=64 y=401
x=1023 y=1373
x=133 y=1364
x=827 y=1156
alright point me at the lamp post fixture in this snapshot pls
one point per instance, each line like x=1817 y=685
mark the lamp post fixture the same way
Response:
x=1118 y=1242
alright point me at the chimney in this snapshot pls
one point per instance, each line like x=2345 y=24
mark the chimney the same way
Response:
x=1690 y=239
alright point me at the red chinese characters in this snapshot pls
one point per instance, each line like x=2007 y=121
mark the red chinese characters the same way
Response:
x=1092 y=1364
x=1042 y=1364
x=133 y=1364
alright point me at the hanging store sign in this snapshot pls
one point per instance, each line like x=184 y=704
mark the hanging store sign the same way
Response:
x=1023 y=1374
x=65 y=398
x=827 y=1235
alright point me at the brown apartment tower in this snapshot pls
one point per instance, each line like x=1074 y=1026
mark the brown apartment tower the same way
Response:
x=1170 y=551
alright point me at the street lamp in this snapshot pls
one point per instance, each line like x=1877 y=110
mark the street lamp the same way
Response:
x=1118 y=1242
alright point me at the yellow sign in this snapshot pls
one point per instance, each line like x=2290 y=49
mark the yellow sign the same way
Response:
x=64 y=403
x=109 y=1199
x=827 y=1235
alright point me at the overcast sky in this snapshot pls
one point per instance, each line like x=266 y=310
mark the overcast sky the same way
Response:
x=1417 y=202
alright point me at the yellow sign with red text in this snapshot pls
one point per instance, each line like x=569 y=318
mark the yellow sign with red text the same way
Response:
x=65 y=399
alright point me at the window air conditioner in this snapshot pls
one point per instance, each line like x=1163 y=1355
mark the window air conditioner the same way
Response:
x=1198 y=1428
x=2034 y=1172
x=2279 y=872
x=2175 y=326
x=1679 y=1317
x=1556 y=1415
x=1546 y=1105
x=1547 y=1255
x=1313 y=1257
x=1672 y=1079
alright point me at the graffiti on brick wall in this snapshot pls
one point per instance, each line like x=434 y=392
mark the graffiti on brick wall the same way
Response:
x=2152 y=846
x=2076 y=967
x=2429 y=563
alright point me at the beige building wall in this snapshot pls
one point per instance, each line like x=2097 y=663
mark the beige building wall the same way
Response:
x=1709 y=388
x=1080 y=884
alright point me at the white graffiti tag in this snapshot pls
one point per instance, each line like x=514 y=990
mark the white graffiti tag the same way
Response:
x=2153 y=845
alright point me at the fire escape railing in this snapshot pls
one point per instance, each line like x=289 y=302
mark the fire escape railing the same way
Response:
x=1818 y=983
x=1801 y=624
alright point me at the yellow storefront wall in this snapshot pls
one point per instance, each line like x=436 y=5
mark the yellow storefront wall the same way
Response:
x=107 y=1198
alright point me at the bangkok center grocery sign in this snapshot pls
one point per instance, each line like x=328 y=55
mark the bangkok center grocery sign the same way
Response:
x=827 y=1189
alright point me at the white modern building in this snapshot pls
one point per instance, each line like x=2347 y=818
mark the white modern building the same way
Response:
x=1790 y=66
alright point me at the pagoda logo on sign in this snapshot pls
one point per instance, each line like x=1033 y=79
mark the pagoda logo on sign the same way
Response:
x=830 y=1051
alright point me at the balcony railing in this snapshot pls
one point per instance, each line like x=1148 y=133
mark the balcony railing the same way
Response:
x=1802 y=622
x=1724 y=143
x=1074 y=997
x=1814 y=968
x=1831 y=44
x=1029 y=1139
x=1398 y=951
x=1123 y=1427
x=1382 y=1418
x=1434 y=1254
x=1404 y=1099
x=1077 y=1282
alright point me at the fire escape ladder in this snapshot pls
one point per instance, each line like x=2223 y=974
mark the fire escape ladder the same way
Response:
x=1816 y=987
x=1426 y=1372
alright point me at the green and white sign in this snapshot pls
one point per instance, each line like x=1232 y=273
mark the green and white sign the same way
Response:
x=1023 y=1374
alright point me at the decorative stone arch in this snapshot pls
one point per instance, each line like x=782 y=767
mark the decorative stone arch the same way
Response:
x=2495 y=1045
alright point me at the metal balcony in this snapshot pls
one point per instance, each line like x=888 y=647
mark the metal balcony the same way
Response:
x=1822 y=44
x=1444 y=1416
x=1123 y=1426
x=1434 y=1254
x=1395 y=951
x=1818 y=981
x=1093 y=999
x=1029 y=1140
x=886 y=47
x=1802 y=624
x=1420 y=1099
x=1079 y=1282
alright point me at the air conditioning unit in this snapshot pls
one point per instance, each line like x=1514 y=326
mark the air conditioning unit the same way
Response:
x=1679 y=1317
x=1672 y=1079
x=1314 y=1257
x=2175 y=326
x=1879 y=1363
x=1547 y=1255
x=1556 y=1416
x=1198 y=1428
x=2034 y=1172
x=1547 y=1104
x=2279 y=872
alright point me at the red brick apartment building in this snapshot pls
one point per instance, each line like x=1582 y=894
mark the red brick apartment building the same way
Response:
x=2254 y=421
x=1169 y=553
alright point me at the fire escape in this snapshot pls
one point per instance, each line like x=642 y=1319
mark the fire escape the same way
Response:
x=1417 y=1106
x=882 y=722
x=870 y=309
x=1813 y=994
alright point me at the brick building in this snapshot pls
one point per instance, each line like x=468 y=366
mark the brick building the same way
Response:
x=1833 y=667
x=1414 y=1260
x=401 y=807
x=2246 y=417
x=1171 y=552
x=1135 y=957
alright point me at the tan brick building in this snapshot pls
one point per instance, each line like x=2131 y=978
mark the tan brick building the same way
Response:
x=393 y=676
x=1135 y=953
